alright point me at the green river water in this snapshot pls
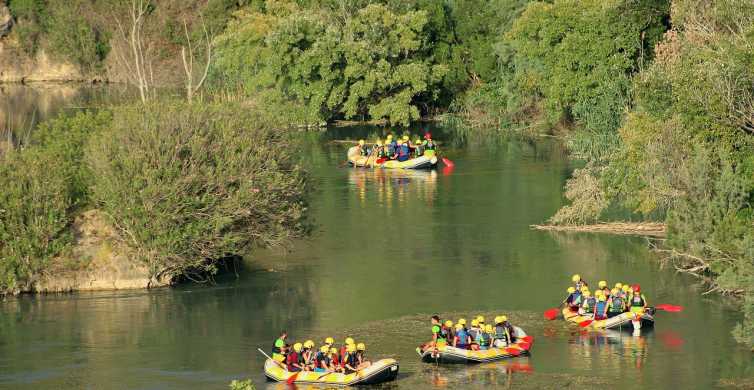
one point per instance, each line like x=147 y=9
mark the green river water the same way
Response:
x=389 y=249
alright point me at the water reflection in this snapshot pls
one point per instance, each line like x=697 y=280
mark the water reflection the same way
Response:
x=394 y=187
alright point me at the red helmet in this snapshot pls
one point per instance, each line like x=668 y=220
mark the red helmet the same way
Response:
x=428 y=135
x=636 y=288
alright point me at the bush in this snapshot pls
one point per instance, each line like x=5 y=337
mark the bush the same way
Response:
x=43 y=186
x=190 y=184
x=74 y=38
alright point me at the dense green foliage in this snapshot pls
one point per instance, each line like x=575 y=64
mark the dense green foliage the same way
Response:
x=191 y=184
x=42 y=186
x=63 y=28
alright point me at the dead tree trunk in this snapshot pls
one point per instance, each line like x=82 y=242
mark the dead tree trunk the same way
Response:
x=133 y=54
x=187 y=55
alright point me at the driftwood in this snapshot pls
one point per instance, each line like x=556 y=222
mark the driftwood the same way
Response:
x=652 y=229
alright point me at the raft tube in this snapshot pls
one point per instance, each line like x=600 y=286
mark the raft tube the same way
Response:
x=452 y=355
x=626 y=321
x=381 y=371
x=428 y=161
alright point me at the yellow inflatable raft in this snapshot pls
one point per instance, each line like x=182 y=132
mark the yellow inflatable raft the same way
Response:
x=449 y=354
x=381 y=371
x=429 y=160
x=627 y=321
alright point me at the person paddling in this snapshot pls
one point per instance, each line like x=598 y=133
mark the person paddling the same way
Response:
x=351 y=360
x=279 y=347
x=462 y=339
x=322 y=360
x=638 y=301
x=361 y=349
x=293 y=361
x=502 y=336
x=616 y=304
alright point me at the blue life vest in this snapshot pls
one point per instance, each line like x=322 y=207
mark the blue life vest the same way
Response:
x=462 y=337
x=500 y=333
x=403 y=152
x=601 y=307
x=616 y=305
x=391 y=149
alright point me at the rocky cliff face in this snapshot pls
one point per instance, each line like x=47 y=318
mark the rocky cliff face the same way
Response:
x=17 y=66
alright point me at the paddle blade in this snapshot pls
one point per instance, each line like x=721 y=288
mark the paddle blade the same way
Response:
x=670 y=308
x=551 y=314
x=586 y=323
x=292 y=379
x=447 y=162
x=380 y=160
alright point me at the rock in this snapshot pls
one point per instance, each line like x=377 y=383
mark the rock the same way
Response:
x=6 y=19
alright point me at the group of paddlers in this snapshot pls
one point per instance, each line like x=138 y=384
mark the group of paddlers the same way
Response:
x=605 y=302
x=399 y=148
x=350 y=357
x=477 y=336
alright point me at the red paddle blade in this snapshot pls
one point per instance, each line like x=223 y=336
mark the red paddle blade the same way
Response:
x=380 y=160
x=586 y=323
x=292 y=379
x=667 y=307
x=447 y=162
x=552 y=314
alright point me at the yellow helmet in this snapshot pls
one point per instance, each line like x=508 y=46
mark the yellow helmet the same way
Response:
x=448 y=323
x=389 y=136
x=361 y=347
x=503 y=318
x=614 y=291
x=333 y=350
x=480 y=319
x=308 y=344
x=587 y=293
x=349 y=341
x=350 y=348
x=584 y=289
x=323 y=349
x=361 y=142
x=298 y=347
x=625 y=288
x=571 y=290
x=602 y=284
x=418 y=141
x=379 y=142
x=400 y=142
x=630 y=290
x=330 y=341
x=576 y=278
x=475 y=322
x=488 y=328
x=462 y=321
x=498 y=319
x=459 y=326
x=601 y=298
x=619 y=285
x=405 y=138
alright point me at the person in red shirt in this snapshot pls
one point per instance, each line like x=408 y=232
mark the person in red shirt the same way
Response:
x=293 y=360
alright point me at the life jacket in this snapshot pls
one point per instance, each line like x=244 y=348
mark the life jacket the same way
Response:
x=445 y=333
x=352 y=360
x=616 y=305
x=430 y=145
x=637 y=300
x=419 y=150
x=364 y=150
x=484 y=339
x=437 y=329
x=335 y=359
x=403 y=152
x=589 y=304
x=293 y=357
x=474 y=333
x=382 y=152
x=322 y=357
x=500 y=333
x=462 y=337
x=511 y=331
x=391 y=148
x=275 y=349
x=600 y=306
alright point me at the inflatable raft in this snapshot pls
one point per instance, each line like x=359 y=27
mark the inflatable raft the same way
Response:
x=381 y=371
x=449 y=354
x=355 y=158
x=627 y=321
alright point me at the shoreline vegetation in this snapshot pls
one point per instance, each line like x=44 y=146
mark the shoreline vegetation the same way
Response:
x=654 y=97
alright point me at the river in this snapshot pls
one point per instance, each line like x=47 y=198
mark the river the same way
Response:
x=389 y=249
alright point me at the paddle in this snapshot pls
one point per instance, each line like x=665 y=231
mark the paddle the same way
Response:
x=292 y=378
x=670 y=308
x=551 y=314
x=586 y=323
x=447 y=162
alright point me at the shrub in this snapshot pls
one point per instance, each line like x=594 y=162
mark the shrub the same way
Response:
x=43 y=185
x=190 y=184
